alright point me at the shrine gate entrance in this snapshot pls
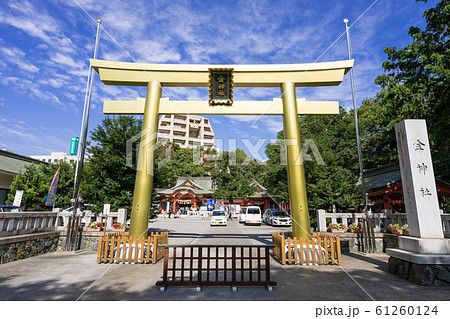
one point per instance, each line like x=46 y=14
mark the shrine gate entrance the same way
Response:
x=221 y=79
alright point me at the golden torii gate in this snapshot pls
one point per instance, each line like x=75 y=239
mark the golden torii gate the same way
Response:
x=285 y=76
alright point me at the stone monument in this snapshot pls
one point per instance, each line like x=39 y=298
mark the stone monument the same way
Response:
x=423 y=257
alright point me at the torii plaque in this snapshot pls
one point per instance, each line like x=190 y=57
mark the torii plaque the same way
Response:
x=285 y=76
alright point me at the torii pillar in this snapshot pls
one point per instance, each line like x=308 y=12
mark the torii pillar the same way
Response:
x=285 y=76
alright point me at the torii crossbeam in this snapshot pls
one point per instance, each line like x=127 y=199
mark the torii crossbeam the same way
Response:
x=285 y=76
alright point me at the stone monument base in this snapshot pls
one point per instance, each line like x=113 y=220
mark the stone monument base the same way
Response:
x=438 y=246
x=421 y=269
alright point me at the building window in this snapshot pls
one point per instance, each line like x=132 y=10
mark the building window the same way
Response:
x=179 y=134
x=194 y=133
x=181 y=143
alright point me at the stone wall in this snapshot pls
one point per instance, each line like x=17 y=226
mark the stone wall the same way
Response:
x=88 y=241
x=351 y=242
x=425 y=275
x=20 y=247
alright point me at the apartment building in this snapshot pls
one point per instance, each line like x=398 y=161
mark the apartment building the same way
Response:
x=186 y=130
x=56 y=157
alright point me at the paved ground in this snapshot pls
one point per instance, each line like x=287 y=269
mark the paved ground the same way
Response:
x=68 y=276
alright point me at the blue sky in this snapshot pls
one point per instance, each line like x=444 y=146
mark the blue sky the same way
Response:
x=45 y=46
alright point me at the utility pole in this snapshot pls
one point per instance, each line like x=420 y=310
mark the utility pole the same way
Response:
x=367 y=229
x=72 y=229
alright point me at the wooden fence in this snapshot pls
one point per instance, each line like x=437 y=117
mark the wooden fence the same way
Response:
x=320 y=249
x=212 y=265
x=120 y=248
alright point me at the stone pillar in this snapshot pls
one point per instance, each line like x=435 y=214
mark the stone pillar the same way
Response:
x=122 y=215
x=419 y=190
x=321 y=220
x=425 y=248
x=106 y=213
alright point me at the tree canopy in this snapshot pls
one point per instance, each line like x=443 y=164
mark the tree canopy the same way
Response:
x=35 y=181
x=233 y=174
x=416 y=85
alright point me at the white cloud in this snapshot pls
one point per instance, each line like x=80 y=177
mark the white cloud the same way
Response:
x=16 y=57
x=32 y=89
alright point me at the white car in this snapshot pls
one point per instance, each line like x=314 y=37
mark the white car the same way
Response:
x=279 y=218
x=218 y=217
x=242 y=214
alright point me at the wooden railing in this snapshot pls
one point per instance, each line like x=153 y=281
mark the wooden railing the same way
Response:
x=22 y=223
x=213 y=265
x=122 y=249
x=320 y=249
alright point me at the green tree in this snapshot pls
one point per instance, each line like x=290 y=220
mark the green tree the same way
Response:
x=417 y=86
x=107 y=178
x=35 y=181
x=233 y=175
x=180 y=163
x=330 y=178
x=275 y=177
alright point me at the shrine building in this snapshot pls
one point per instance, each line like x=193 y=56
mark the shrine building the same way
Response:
x=190 y=193
x=384 y=188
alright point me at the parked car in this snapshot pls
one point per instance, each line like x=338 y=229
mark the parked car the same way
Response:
x=268 y=214
x=279 y=218
x=9 y=209
x=86 y=208
x=253 y=216
x=242 y=214
x=218 y=217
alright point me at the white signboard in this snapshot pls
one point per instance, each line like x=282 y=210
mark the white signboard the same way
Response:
x=418 y=182
x=18 y=198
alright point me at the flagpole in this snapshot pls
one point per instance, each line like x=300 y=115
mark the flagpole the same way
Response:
x=83 y=137
x=358 y=139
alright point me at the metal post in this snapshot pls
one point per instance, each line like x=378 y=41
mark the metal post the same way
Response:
x=83 y=137
x=296 y=171
x=358 y=140
x=144 y=173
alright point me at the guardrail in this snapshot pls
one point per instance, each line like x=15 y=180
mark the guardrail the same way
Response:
x=381 y=220
x=216 y=265
x=22 y=223
x=122 y=249
x=108 y=218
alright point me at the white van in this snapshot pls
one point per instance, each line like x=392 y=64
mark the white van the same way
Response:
x=253 y=216
x=242 y=215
